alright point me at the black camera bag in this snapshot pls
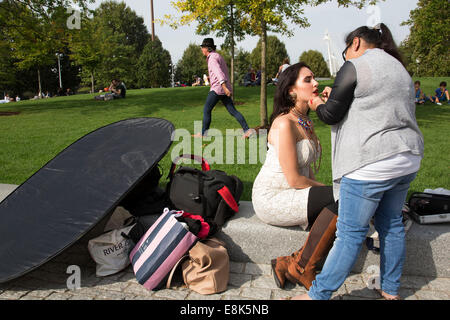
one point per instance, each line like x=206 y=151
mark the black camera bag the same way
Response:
x=213 y=194
x=425 y=204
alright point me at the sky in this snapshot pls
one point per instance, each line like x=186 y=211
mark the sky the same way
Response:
x=339 y=21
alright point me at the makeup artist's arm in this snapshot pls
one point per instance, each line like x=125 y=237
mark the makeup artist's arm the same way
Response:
x=340 y=98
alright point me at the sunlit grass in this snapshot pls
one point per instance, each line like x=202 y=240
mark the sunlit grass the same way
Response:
x=45 y=127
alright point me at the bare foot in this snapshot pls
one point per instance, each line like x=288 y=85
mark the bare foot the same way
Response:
x=249 y=133
x=388 y=296
x=197 y=135
x=300 y=297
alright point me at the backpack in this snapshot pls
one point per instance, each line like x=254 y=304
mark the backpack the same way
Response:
x=212 y=194
x=147 y=197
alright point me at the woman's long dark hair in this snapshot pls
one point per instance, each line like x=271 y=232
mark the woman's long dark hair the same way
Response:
x=282 y=102
x=380 y=36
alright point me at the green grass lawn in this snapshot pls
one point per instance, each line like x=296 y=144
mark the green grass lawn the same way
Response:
x=45 y=127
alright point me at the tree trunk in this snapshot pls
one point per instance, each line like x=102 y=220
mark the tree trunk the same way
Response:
x=263 y=102
x=40 y=87
x=153 y=20
x=232 y=50
x=92 y=82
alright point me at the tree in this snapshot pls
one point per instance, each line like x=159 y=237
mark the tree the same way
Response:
x=7 y=68
x=276 y=53
x=84 y=46
x=118 y=60
x=121 y=19
x=31 y=47
x=427 y=46
x=11 y=17
x=314 y=59
x=36 y=30
x=243 y=63
x=261 y=16
x=121 y=37
x=191 y=64
x=153 y=66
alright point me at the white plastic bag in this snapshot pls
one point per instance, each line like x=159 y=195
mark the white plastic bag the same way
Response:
x=110 y=251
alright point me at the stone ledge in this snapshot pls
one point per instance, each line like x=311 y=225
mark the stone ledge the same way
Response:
x=248 y=239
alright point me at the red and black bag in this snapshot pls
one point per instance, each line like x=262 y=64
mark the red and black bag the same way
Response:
x=213 y=194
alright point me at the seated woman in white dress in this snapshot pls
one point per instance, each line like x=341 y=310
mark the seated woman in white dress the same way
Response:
x=285 y=192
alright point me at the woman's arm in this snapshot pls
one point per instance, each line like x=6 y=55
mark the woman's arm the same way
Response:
x=287 y=155
x=340 y=98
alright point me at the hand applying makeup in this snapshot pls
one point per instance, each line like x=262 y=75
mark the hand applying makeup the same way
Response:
x=315 y=102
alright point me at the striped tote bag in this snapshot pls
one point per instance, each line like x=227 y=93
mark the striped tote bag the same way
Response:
x=159 y=250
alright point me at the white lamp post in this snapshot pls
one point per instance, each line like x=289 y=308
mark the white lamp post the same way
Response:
x=59 y=55
x=172 y=75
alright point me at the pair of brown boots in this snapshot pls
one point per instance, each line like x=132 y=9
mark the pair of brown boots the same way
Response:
x=300 y=267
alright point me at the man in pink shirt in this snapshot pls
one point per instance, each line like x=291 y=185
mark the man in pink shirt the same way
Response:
x=220 y=88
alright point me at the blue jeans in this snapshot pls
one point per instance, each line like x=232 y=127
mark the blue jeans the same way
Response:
x=359 y=202
x=210 y=103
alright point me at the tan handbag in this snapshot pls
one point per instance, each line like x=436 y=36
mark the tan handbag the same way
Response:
x=207 y=268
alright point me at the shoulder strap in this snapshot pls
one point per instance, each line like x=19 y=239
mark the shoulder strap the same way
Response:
x=225 y=193
x=205 y=164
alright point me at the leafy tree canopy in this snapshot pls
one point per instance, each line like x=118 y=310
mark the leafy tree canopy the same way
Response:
x=192 y=63
x=314 y=59
x=427 y=50
x=276 y=53
x=154 y=65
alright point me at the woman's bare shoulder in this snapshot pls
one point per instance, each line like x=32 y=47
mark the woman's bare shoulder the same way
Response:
x=283 y=121
x=283 y=125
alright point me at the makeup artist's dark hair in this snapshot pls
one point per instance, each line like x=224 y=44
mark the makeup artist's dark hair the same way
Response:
x=380 y=36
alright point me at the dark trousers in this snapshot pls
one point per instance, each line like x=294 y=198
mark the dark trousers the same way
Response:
x=319 y=198
x=210 y=103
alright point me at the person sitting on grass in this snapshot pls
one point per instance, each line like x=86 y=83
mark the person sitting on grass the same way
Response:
x=197 y=82
x=441 y=94
x=258 y=78
x=248 y=78
x=7 y=99
x=118 y=90
x=421 y=97
x=283 y=67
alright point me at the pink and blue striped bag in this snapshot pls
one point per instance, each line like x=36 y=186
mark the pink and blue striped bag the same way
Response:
x=159 y=249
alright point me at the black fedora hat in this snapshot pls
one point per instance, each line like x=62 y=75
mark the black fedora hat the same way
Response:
x=209 y=43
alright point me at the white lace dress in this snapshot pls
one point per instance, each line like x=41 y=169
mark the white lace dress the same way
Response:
x=274 y=201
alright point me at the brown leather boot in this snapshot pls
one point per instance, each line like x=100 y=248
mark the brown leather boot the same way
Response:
x=302 y=268
x=280 y=268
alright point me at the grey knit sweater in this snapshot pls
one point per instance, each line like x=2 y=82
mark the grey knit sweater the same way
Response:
x=380 y=121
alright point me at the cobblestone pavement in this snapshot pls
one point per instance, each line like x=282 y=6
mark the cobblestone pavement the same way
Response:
x=248 y=281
